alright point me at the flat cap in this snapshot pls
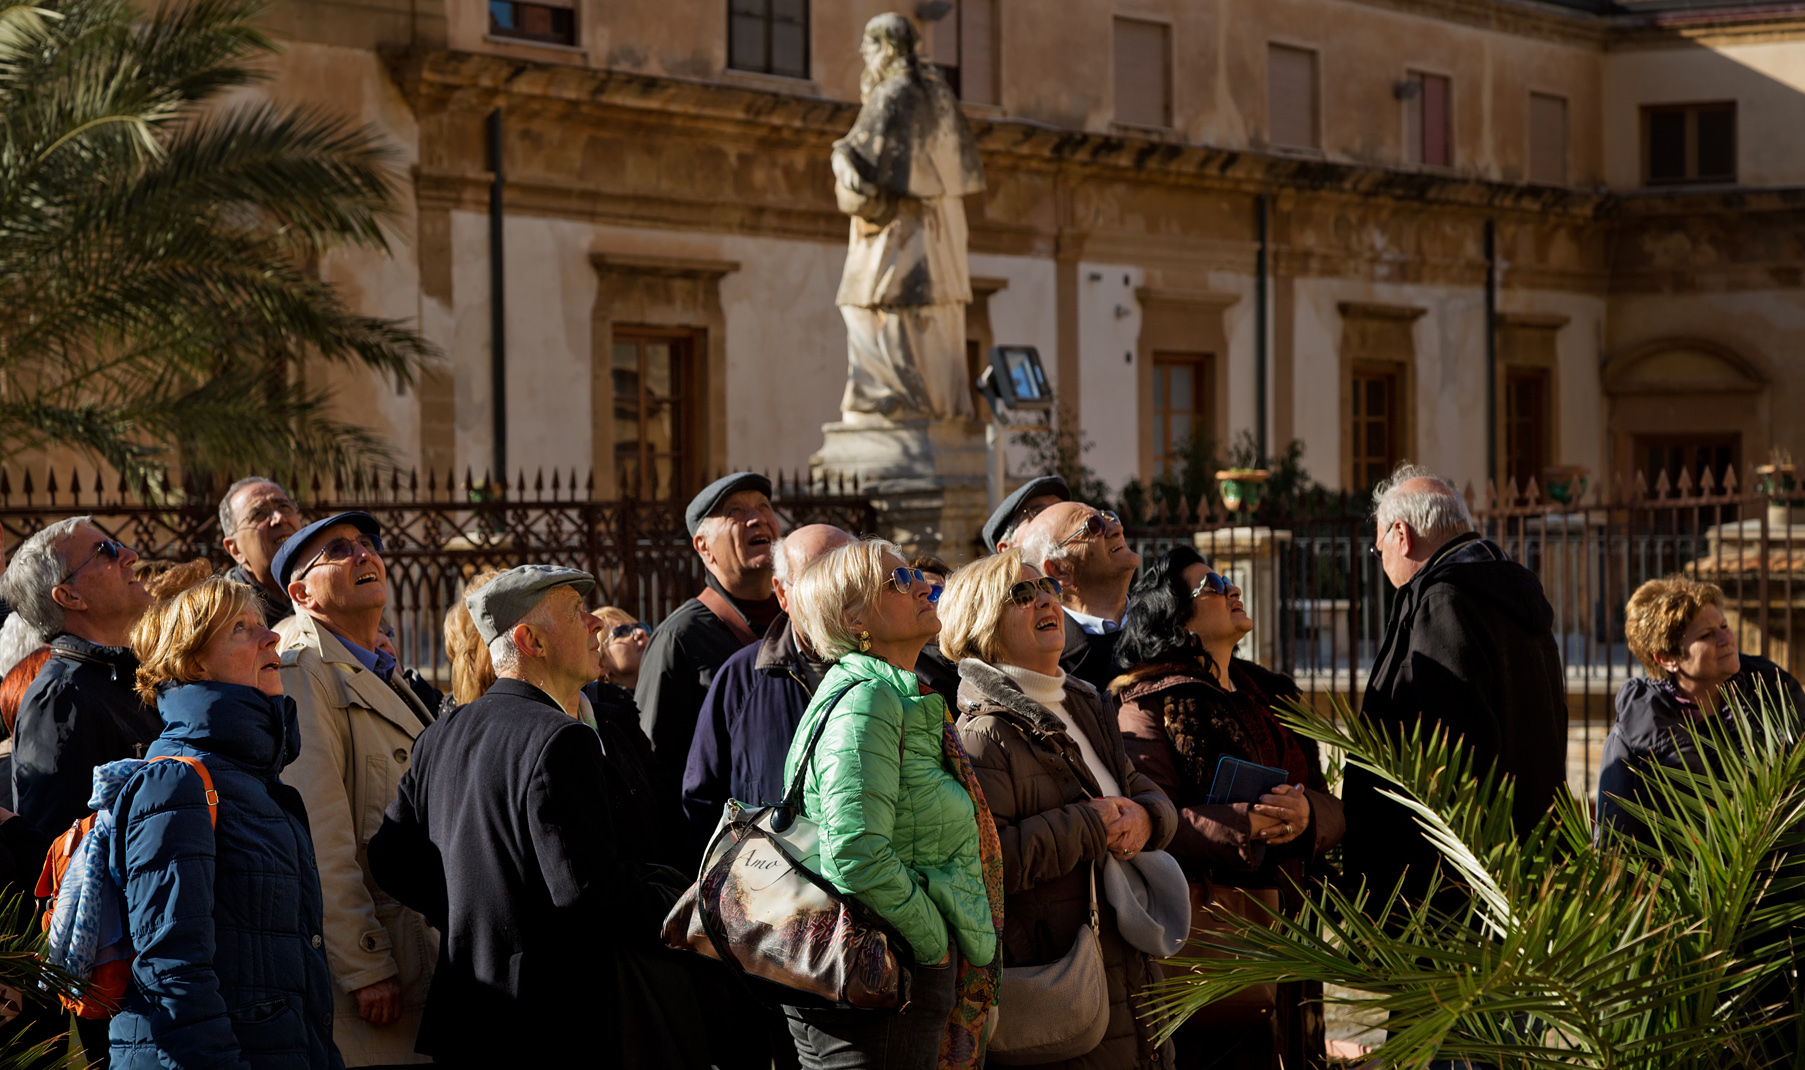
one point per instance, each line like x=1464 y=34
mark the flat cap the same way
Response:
x=703 y=505
x=502 y=602
x=1000 y=521
x=288 y=557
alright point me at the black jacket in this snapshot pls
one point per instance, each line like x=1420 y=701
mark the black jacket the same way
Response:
x=648 y=823
x=680 y=662
x=502 y=836
x=1088 y=656
x=80 y=712
x=1470 y=646
x=1654 y=727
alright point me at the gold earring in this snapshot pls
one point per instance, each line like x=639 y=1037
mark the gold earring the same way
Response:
x=864 y=638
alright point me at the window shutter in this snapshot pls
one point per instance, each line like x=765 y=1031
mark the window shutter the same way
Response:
x=1717 y=144
x=1143 y=73
x=1437 y=152
x=1547 y=139
x=1291 y=97
x=977 y=51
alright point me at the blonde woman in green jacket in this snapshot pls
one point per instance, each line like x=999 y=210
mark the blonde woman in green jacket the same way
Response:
x=900 y=827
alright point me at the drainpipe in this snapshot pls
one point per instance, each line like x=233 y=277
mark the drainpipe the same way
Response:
x=1491 y=350
x=1259 y=329
x=498 y=306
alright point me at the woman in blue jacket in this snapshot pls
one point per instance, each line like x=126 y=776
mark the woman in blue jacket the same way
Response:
x=225 y=916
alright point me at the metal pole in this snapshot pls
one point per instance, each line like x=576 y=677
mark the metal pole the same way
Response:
x=1491 y=354
x=498 y=305
x=1259 y=329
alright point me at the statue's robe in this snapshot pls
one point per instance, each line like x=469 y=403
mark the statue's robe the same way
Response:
x=906 y=283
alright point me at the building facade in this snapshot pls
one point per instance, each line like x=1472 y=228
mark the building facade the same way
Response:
x=1490 y=235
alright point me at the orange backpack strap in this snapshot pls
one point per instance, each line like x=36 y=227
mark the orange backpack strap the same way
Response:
x=206 y=781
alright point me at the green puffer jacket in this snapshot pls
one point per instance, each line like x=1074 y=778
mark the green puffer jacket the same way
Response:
x=902 y=837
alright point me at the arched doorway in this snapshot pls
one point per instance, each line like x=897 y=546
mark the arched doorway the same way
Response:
x=1685 y=403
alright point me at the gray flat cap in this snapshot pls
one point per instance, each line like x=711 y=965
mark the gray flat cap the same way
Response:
x=1001 y=520
x=703 y=505
x=501 y=603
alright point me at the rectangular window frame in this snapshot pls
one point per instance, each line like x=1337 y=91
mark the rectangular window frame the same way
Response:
x=1528 y=435
x=1203 y=402
x=1314 y=144
x=686 y=397
x=1418 y=141
x=1359 y=460
x=1564 y=154
x=564 y=32
x=1690 y=112
x=959 y=56
x=769 y=20
x=1167 y=109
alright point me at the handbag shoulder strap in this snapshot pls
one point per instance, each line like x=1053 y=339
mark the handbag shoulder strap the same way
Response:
x=727 y=613
x=792 y=799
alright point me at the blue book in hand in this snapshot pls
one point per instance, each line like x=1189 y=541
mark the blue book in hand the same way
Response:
x=1244 y=782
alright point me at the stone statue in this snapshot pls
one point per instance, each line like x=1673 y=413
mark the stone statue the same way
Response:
x=900 y=174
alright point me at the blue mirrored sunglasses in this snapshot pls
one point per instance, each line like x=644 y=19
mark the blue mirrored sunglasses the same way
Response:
x=904 y=580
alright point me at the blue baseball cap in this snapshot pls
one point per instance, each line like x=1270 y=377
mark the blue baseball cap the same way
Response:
x=289 y=556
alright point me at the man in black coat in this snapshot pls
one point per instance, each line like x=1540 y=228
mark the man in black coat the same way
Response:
x=502 y=835
x=735 y=530
x=1469 y=646
x=72 y=583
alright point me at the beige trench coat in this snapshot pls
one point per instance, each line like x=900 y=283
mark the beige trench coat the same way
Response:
x=357 y=736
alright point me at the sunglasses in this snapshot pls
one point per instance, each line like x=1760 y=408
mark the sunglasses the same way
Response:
x=1094 y=525
x=1213 y=583
x=110 y=548
x=1025 y=592
x=904 y=580
x=622 y=631
x=341 y=549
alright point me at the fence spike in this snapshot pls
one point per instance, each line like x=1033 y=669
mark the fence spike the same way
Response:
x=50 y=484
x=1532 y=494
x=1730 y=483
x=123 y=488
x=468 y=485
x=589 y=486
x=1661 y=484
x=521 y=482
x=75 y=486
x=1706 y=484
x=538 y=484
x=1686 y=483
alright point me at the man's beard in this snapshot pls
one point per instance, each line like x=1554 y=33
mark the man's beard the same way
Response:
x=876 y=74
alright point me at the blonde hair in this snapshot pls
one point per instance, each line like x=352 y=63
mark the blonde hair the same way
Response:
x=971 y=609
x=1658 y=615
x=611 y=616
x=844 y=581
x=472 y=670
x=166 y=579
x=169 y=637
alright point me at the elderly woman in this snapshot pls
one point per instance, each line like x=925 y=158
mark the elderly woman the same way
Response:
x=1187 y=703
x=624 y=641
x=1676 y=629
x=903 y=826
x=1060 y=786
x=221 y=894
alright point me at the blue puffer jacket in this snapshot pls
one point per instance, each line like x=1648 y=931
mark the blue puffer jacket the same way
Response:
x=230 y=971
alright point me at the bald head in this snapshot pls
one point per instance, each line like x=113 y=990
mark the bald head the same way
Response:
x=797 y=549
x=1416 y=513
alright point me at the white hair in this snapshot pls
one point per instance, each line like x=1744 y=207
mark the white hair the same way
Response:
x=780 y=561
x=1042 y=546
x=504 y=655
x=711 y=526
x=1434 y=512
x=36 y=567
x=17 y=639
x=228 y=523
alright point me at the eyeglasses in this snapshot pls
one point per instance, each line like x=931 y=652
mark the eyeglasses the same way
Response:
x=110 y=547
x=1025 y=592
x=1094 y=525
x=342 y=549
x=1213 y=583
x=1375 y=553
x=268 y=511
x=904 y=580
x=622 y=631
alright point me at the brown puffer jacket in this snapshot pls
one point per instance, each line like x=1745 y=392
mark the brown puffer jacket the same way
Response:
x=1051 y=836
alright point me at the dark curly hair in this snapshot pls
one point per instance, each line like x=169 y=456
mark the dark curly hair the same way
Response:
x=1159 y=607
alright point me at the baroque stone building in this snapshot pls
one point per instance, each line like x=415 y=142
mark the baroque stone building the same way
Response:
x=1297 y=218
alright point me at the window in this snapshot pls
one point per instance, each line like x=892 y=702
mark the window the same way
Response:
x=1692 y=454
x=965 y=50
x=768 y=36
x=1376 y=425
x=1291 y=97
x=654 y=384
x=1528 y=399
x=1427 y=116
x=1143 y=73
x=549 y=22
x=1183 y=406
x=1689 y=143
x=1547 y=139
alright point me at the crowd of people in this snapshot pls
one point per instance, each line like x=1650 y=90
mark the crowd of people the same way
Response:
x=1001 y=759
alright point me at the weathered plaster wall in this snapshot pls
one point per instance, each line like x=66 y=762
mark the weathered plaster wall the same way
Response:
x=1766 y=80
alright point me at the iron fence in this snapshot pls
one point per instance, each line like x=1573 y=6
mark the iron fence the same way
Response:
x=438 y=534
x=1319 y=600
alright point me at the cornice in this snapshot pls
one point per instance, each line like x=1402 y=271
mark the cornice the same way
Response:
x=1711 y=29
x=1523 y=19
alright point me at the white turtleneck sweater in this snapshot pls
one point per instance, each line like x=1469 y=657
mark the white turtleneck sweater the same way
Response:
x=1049 y=691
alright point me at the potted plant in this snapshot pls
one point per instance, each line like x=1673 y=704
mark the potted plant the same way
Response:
x=1777 y=481
x=1564 y=483
x=1241 y=487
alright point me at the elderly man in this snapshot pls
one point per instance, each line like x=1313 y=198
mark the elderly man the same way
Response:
x=1086 y=551
x=756 y=701
x=1468 y=647
x=1029 y=501
x=502 y=834
x=255 y=518
x=358 y=722
x=75 y=586
x=735 y=530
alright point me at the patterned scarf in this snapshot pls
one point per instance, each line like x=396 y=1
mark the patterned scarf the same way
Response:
x=962 y=1046
x=87 y=928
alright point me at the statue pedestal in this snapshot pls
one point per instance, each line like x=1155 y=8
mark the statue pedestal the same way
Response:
x=926 y=478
